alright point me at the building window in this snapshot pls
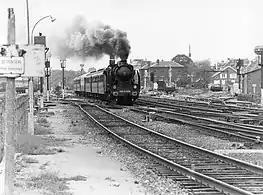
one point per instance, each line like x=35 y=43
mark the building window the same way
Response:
x=233 y=75
x=223 y=82
x=223 y=76
x=233 y=81
x=217 y=82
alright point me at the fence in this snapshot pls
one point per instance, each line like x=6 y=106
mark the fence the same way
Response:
x=21 y=119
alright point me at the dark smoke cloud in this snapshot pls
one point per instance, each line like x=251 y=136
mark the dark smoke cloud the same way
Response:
x=92 y=40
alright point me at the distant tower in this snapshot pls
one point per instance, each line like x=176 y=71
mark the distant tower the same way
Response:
x=189 y=51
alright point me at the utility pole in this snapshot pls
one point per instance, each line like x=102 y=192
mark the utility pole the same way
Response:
x=9 y=117
x=30 y=86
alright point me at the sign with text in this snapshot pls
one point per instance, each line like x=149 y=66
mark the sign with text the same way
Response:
x=34 y=61
x=14 y=65
x=11 y=60
x=25 y=60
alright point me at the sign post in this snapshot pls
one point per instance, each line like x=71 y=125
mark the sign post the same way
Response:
x=34 y=66
x=41 y=40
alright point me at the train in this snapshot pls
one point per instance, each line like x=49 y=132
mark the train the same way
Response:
x=118 y=82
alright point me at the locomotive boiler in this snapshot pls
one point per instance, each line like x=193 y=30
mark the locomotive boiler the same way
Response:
x=119 y=82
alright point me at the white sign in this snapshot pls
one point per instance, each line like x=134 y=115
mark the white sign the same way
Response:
x=14 y=65
x=34 y=61
x=10 y=62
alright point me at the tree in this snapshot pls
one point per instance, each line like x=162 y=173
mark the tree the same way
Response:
x=182 y=59
x=188 y=69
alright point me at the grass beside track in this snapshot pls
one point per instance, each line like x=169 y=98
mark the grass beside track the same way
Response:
x=42 y=143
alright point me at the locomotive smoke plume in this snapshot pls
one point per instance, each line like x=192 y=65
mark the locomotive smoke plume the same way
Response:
x=93 y=40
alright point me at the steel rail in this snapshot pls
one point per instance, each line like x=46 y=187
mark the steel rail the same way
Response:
x=242 y=127
x=211 y=181
x=197 y=104
x=240 y=136
x=251 y=129
x=178 y=106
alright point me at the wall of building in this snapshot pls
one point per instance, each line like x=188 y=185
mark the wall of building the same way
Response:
x=161 y=73
x=252 y=82
x=225 y=81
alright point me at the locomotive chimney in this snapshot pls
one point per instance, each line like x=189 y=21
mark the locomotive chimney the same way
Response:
x=112 y=59
x=123 y=57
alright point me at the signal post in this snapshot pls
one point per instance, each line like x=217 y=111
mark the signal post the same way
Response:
x=259 y=51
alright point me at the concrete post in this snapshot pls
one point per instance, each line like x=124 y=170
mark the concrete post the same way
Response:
x=31 y=107
x=9 y=117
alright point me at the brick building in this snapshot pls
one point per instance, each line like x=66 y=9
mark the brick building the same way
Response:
x=252 y=82
x=225 y=77
x=159 y=71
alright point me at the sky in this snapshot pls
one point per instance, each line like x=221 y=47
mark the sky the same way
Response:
x=156 y=29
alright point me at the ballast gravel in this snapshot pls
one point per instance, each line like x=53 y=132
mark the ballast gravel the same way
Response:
x=138 y=165
x=192 y=135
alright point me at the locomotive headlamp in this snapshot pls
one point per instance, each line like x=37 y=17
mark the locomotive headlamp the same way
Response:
x=114 y=87
x=134 y=86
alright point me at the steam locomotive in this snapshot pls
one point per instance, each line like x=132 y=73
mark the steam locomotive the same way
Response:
x=119 y=83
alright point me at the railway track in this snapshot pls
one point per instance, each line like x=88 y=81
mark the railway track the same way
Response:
x=199 y=106
x=198 y=170
x=243 y=133
x=228 y=116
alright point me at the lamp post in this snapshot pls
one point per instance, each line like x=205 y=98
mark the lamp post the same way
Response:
x=32 y=32
x=259 y=51
x=40 y=34
x=63 y=66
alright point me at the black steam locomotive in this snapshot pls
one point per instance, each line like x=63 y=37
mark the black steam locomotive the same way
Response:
x=119 y=82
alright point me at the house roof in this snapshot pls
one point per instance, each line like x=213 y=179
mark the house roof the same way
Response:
x=164 y=64
x=253 y=70
x=252 y=66
x=224 y=70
